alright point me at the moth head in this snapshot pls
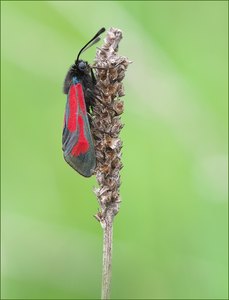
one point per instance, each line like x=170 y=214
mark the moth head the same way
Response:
x=82 y=66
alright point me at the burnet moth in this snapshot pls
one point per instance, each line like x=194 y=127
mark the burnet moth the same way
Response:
x=77 y=141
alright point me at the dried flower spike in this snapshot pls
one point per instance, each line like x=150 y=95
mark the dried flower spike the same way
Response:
x=106 y=126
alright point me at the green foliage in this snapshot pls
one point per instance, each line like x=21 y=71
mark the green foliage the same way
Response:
x=170 y=237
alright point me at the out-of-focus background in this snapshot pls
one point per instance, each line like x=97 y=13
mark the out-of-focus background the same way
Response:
x=170 y=237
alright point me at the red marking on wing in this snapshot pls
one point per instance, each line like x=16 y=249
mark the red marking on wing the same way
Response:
x=80 y=95
x=82 y=144
x=72 y=109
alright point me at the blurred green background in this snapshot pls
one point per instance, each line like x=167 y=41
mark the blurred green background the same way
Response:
x=170 y=237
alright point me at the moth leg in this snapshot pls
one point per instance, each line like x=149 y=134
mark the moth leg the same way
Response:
x=93 y=77
x=90 y=103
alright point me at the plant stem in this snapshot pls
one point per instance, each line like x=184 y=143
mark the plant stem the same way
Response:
x=107 y=257
x=106 y=126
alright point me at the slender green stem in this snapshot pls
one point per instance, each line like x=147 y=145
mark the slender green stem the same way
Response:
x=107 y=257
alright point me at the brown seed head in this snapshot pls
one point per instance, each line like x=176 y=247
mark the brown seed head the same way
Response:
x=106 y=122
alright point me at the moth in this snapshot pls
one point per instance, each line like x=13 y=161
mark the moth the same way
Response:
x=77 y=142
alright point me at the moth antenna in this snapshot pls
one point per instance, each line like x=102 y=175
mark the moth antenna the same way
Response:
x=94 y=40
x=92 y=43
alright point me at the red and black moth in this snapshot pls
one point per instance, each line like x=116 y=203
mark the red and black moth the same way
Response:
x=77 y=141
